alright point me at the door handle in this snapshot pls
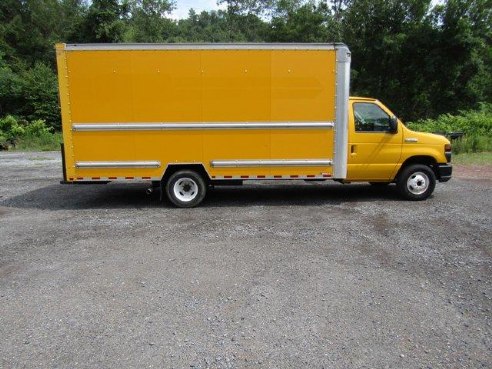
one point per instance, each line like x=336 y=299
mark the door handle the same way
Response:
x=353 y=149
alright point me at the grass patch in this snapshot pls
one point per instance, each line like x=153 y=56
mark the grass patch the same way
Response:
x=473 y=158
x=43 y=142
x=472 y=144
x=19 y=134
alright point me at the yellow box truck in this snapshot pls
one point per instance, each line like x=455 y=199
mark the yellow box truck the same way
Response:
x=189 y=116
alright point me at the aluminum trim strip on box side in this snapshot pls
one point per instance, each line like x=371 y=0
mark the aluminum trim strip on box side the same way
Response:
x=117 y=164
x=205 y=46
x=197 y=126
x=341 y=123
x=271 y=163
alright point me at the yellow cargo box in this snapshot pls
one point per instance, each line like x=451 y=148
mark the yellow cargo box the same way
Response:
x=240 y=111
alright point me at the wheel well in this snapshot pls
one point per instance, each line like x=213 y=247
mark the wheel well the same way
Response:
x=173 y=168
x=424 y=160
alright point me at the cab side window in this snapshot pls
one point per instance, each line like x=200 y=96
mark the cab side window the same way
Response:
x=369 y=117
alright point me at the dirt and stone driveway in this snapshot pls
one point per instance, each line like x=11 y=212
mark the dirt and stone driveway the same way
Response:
x=311 y=275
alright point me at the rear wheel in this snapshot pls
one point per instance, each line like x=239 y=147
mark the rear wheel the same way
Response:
x=416 y=182
x=185 y=189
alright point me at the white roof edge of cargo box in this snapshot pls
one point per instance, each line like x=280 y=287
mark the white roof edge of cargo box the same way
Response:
x=205 y=46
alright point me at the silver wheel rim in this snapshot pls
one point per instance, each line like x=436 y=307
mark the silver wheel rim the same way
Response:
x=418 y=183
x=185 y=189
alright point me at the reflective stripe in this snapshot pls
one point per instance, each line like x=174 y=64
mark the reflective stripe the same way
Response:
x=197 y=126
x=125 y=179
x=275 y=177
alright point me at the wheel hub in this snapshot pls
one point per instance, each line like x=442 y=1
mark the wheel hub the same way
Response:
x=185 y=189
x=418 y=183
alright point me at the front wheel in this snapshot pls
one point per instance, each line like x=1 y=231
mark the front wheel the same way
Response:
x=416 y=182
x=185 y=189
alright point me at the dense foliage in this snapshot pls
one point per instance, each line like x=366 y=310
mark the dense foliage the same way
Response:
x=475 y=125
x=34 y=135
x=421 y=59
x=468 y=122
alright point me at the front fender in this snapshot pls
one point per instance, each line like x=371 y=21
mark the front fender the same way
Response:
x=420 y=154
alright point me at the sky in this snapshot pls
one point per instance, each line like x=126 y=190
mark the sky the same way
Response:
x=183 y=6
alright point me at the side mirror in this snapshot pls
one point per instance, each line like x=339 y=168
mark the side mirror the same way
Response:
x=393 y=122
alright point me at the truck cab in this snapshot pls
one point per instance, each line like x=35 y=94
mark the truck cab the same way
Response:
x=382 y=150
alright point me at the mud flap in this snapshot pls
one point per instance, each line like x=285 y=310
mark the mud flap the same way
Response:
x=62 y=148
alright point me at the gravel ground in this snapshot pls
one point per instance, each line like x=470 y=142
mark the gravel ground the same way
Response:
x=310 y=275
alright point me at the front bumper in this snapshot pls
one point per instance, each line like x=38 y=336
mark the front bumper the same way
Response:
x=444 y=172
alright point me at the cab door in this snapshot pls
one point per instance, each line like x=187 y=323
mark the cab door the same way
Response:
x=374 y=149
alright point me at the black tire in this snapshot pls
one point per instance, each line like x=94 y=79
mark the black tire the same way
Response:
x=416 y=182
x=185 y=189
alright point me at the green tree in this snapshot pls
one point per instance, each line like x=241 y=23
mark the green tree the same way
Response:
x=148 y=21
x=420 y=60
x=243 y=7
x=30 y=94
x=295 y=21
x=221 y=26
x=104 y=22
x=30 y=28
x=10 y=89
x=203 y=27
x=40 y=92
